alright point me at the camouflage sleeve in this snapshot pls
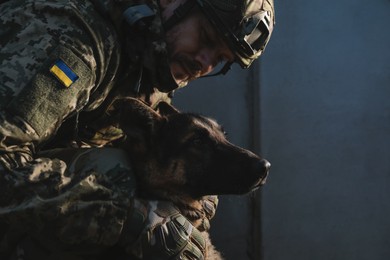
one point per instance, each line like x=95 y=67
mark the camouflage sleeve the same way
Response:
x=52 y=58
x=89 y=209
x=80 y=208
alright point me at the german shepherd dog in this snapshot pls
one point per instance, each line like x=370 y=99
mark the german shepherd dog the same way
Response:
x=183 y=157
x=179 y=157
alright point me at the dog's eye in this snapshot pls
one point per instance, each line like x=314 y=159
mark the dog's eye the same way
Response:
x=198 y=137
x=196 y=140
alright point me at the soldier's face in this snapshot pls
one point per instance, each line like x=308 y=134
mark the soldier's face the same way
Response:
x=195 y=48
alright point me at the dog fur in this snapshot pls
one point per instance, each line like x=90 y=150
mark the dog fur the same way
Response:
x=183 y=157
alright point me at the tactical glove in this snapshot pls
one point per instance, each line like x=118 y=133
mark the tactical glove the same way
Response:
x=164 y=233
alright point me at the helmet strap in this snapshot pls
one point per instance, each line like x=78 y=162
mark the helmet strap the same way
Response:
x=222 y=71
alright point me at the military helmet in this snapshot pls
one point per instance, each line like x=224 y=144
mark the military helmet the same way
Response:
x=245 y=25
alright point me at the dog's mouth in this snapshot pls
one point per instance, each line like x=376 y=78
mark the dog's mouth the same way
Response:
x=254 y=187
x=260 y=171
x=234 y=188
x=257 y=185
x=238 y=183
x=261 y=181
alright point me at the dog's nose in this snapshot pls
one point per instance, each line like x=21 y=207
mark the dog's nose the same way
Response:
x=265 y=165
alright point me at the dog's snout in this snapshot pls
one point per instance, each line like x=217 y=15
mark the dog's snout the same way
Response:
x=264 y=166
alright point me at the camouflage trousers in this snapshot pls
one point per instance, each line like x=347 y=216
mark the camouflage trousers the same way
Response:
x=83 y=206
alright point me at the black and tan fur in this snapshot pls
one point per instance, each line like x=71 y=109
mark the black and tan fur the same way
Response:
x=183 y=157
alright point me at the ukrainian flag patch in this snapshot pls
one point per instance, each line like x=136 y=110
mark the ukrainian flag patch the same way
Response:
x=63 y=73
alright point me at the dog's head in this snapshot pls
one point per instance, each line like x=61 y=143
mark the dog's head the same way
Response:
x=178 y=154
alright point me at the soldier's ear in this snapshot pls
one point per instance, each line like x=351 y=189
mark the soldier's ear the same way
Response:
x=166 y=109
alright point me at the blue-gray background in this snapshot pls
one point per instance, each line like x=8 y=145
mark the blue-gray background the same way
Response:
x=317 y=105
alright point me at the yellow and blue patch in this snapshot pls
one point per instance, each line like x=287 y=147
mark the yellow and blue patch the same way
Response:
x=63 y=73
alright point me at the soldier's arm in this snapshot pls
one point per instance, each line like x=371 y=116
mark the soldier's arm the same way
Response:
x=92 y=210
x=79 y=212
x=35 y=99
x=52 y=58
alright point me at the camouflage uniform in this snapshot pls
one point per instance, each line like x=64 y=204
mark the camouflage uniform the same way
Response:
x=89 y=212
x=62 y=63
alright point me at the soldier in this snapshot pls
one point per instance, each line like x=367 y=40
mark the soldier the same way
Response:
x=62 y=65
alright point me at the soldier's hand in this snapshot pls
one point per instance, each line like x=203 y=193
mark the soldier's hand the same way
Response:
x=165 y=233
x=209 y=207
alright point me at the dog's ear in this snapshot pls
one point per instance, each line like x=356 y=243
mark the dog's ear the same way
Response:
x=137 y=120
x=166 y=109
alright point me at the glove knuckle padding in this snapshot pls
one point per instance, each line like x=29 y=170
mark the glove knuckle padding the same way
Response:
x=169 y=235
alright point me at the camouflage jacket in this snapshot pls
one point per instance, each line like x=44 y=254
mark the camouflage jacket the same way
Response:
x=62 y=63
x=88 y=210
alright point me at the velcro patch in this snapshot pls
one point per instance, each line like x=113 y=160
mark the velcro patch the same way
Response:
x=63 y=73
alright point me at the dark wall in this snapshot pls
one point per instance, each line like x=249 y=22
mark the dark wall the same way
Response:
x=228 y=100
x=325 y=116
x=317 y=105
